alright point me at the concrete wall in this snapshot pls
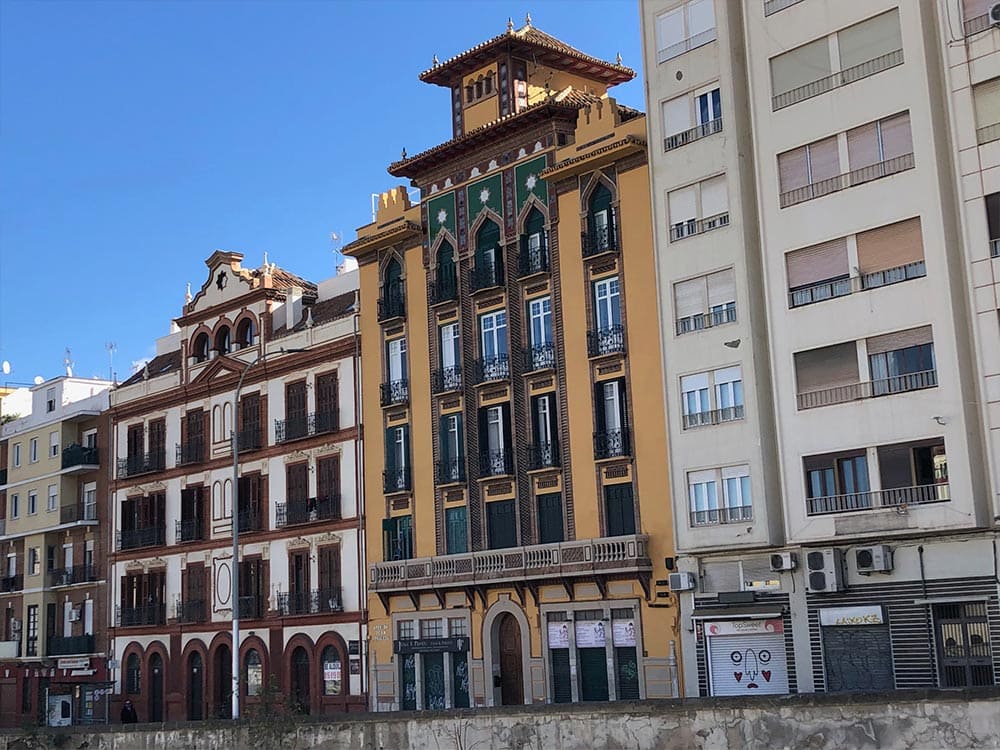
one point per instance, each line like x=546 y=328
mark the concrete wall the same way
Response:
x=957 y=719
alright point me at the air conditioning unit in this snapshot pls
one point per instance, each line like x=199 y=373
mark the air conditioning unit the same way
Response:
x=74 y=615
x=995 y=14
x=783 y=561
x=825 y=572
x=682 y=581
x=877 y=559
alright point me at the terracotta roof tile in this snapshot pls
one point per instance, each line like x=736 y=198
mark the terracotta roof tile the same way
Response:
x=159 y=365
x=322 y=312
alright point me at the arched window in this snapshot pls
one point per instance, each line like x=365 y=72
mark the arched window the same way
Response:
x=196 y=682
x=488 y=85
x=469 y=94
x=132 y=674
x=222 y=340
x=245 y=333
x=200 y=347
x=253 y=674
x=534 y=248
x=489 y=258
x=479 y=88
x=156 y=688
x=601 y=229
x=333 y=683
x=300 y=680
x=447 y=278
x=391 y=303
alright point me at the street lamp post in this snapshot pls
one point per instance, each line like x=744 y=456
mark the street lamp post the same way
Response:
x=234 y=440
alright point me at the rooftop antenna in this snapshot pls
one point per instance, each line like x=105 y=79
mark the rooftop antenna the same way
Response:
x=112 y=347
x=69 y=364
x=336 y=242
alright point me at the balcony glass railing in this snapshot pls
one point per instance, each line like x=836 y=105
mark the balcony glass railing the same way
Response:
x=307 y=511
x=840 y=394
x=315 y=602
x=78 y=455
x=884 y=498
x=298 y=427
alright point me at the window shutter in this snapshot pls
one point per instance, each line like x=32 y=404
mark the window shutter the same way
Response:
x=623 y=417
x=683 y=205
x=691 y=297
x=810 y=265
x=900 y=340
x=869 y=39
x=600 y=426
x=800 y=66
x=987 y=98
x=676 y=115
x=701 y=17
x=824 y=159
x=714 y=200
x=721 y=288
x=484 y=442
x=694 y=382
x=443 y=439
x=896 y=137
x=862 y=146
x=993 y=215
x=535 y=433
x=890 y=246
x=390 y=454
x=461 y=439
x=827 y=367
x=669 y=30
x=793 y=169
x=406 y=445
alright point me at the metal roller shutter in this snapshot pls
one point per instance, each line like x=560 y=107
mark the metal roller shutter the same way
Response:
x=721 y=288
x=890 y=246
x=747 y=664
x=810 y=265
x=800 y=66
x=869 y=39
x=793 y=169
x=824 y=159
x=900 y=340
x=827 y=367
x=691 y=297
x=862 y=146
x=897 y=140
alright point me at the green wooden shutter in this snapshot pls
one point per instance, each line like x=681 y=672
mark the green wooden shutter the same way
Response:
x=562 y=691
x=593 y=674
x=627 y=669
x=455 y=531
x=550 y=518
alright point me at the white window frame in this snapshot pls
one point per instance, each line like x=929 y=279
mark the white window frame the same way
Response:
x=11 y=564
x=490 y=325
x=688 y=41
x=713 y=114
x=543 y=413
x=450 y=351
x=607 y=303
x=17 y=455
x=53 y=444
x=451 y=436
x=400 y=448
x=34 y=566
x=90 y=439
x=33 y=450
x=90 y=501
x=494 y=430
x=53 y=501
x=32 y=502
x=50 y=400
x=612 y=407
x=396 y=359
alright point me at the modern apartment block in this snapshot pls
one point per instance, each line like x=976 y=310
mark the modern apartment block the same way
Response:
x=292 y=346
x=827 y=207
x=53 y=593
x=518 y=517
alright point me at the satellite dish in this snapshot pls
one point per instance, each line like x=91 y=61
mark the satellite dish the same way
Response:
x=39 y=380
x=5 y=367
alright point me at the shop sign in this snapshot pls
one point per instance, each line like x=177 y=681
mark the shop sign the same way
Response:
x=590 y=634
x=744 y=627
x=331 y=671
x=430 y=645
x=623 y=632
x=870 y=615
x=558 y=635
x=78 y=663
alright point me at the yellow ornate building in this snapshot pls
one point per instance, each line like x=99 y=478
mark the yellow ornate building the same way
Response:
x=519 y=527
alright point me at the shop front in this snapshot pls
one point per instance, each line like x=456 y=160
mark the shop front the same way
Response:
x=746 y=657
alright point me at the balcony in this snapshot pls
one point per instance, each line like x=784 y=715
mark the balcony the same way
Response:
x=988 y=133
x=296 y=428
x=692 y=134
x=250 y=520
x=188 y=530
x=898 y=497
x=396 y=480
x=713 y=416
x=496 y=463
x=539 y=357
x=994 y=253
x=74 y=575
x=315 y=602
x=249 y=440
x=392 y=303
x=610 y=340
x=691 y=227
x=611 y=444
x=3 y=477
x=532 y=260
x=716 y=516
x=191 y=452
x=846 y=180
x=773 y=6
x=444 y=289
x=543 y=456
x=486 y=276
x=150 y=536
x=726 y=314
x=977 y=24
x=836 y=80
x=31 y=646
x=191 y=610
x=146 y=463
x=66 y=645
x=76 y=457
x=685 y=45
x=489 y=369
x=536 y=564
x=914 y=381
x=395 y=392
x=451 y=471
x=844 y=285
x=10 y=584
x=446 y=379
x=252 y=607
x=600 y=240
x=151 y=614
x=75 y=513
x=312 y=509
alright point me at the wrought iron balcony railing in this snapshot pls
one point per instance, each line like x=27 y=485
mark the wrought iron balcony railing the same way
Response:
x=885 y=498
x=735 y=514
x=690 y=323
x=692 y=134
x=78 y=455
x=913 y=381
x=451 y=471
x=296 y=428
x=533 y=260
x=446 y=379
x=151 y=614
x=495 y=368
x=188 y=530
x=444 y=289
x=540 y=357
x=496 y=463
x=611 y=444
x=250 y=520
x=191 y=452
x=317 y=601
x=191 y=610
x=73 y=575
x=713 y=416
x=395 y=392
x=252 y=607
x=75 y=644
x=396 y=480
x=486 y=276
x=9 y=584
x=306 y=511
x=249 y=440
x=600 y=240
x=392 y=303
x=692 y=227
x=543 y=456
x=610 y=340
x=133 y=466
x=148 y=536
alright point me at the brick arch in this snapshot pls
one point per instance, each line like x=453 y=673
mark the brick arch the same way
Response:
x=201 y=329
x=393 y=253
x=195 y=645
x=303 y=640
x=154 y=648
x=256 y=643
x=212 y=673
x=245 y=315
x=532 y=202
x=597 y=178
x=333 y=703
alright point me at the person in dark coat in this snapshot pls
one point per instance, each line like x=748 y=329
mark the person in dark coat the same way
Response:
x=128 y=713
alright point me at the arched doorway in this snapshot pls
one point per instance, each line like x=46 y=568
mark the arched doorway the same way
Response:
x=511 y=674
x=196 y=688
x=156 y=687
x=223 y=693
x=300 y=680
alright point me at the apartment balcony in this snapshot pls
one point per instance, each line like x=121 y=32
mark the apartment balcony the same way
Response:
x=994 y=253
x=490 y=369
x=496 y=463
x=451 y=471
x=395 y=392
x=68 y=645
x=443 y=289
x=392 y=303
x=610 y=340
x=3 y=477
x=31 y=646
x=707 y=320
x=713 y=416
x=76 y=512
x=847 y=285
x=977 y=24
x=543 y=456
x=250 y=521
x=486 y=276
x=446 y=379
x=149 y=536
x=249 y=440
x=836 y=80
x=716 y=516
x=315 y=602
x=988 y=133
x=396 y=480
x=295 y=512
x=530 y=566
x=10 y=584
x=77 y=458
x=692 y=134
x=191 y=610
x=10 y=650
x=147 y=463
x=773 y=6
x=686 y=45
x=600 y=240
x=296 y=428
x=898 y=497
x=252 y=607
x=74 y=575
x=191 y=452
x=539 y=357
x=611 y=444
x=692 y=227
x=914 y=381
x=133 y=617
x=188 y=530
x=533 y=260
x=846 y=180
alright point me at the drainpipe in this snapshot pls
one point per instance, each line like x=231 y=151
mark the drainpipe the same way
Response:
x=360 y=497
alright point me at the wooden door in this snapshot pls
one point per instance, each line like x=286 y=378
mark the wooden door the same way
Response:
x=326 y=402
x=196 y=711
x=298 y=584
x=156 y=688
x=250 y=422
x=297 y=483
x=300 y=680
x=329 y=578
x=295 y=410
x=511 y=676
x=157 y=443
x=134 y=442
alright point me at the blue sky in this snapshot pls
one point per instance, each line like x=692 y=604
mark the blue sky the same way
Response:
x=138 y=137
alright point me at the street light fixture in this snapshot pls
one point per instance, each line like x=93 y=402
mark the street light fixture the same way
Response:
x=234 y=439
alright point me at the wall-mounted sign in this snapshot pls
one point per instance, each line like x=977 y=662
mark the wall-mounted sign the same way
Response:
x=590 y=634
x=623 y=632
x=78 y=663
x=869 y=615
x=430 y=645
x=743 y=627
x=558 y=635
x=354 y=647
